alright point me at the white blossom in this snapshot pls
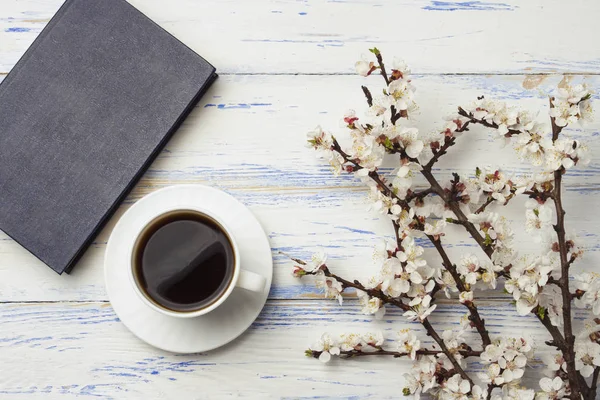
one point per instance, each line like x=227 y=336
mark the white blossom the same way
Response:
x=327 y=346
x=373 y=339
x=446 y=281
x=532 y=144
x=408 y=343
x=331 y=286
x=437 y=229
x=465 y=297
x=492 y=374
x=515 y=392
x=538 y=216
x=370 y=305
x=552 y=389
x=456 y=388
x=469 y=268
x=554 y=361
x=453 y=338
x=587 y=357
x=527 y=277
x=319 y=139
x=364 y=68
x=421 y=311
x=368 y=153
x=421 y=378
x=551 y=300
x=491 y=183
x=507 y=358
x=589 y=285
x=350 y=341
x=384 y=249
x=401 y=94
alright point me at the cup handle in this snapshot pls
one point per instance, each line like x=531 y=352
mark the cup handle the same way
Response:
x=251 y=281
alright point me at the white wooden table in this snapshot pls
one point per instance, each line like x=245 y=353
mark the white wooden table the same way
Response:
x=286 y=66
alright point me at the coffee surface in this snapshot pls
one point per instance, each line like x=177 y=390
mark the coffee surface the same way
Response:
x=183 y=261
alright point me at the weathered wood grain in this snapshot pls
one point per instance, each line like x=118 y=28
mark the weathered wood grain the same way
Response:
x=247 y=137
x=59 y=338
x=82 y=350
x=271 y=36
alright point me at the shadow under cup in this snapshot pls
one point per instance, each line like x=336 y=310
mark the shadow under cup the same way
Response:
x=183 y=261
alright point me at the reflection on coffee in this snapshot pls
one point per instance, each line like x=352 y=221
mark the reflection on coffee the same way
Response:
x=183 y=261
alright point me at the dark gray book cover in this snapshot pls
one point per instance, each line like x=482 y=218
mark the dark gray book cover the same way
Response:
x=82 y=115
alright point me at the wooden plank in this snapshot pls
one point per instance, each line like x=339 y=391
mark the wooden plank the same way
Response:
x=82 y=350
x=247 y=137
x=270 y=36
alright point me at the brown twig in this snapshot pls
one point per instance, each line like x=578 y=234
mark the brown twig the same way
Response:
x=455 y=207
x=371 y=292
x=381 y=66
x=474 y=317
x=368 y=95
x=395 y=354
x=482 y=208
x=462 y=112
x=398 y=303
x=559 y=227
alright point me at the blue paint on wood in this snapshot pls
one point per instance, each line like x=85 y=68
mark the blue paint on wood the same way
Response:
x=302 y=13
x=17 y=29
x=354 y=230
x=236 y=106
x=468 y=6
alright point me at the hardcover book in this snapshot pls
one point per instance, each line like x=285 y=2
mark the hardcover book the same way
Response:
x=82 y=115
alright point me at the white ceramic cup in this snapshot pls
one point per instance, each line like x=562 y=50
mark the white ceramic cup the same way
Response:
x=240 y=278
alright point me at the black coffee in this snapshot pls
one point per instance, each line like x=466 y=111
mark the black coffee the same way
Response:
x=183 y=261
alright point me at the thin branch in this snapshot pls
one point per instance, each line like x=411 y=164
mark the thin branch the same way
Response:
x=462 y=112
x=481 y=209
x=382 y=67
x=437 y=153
x=371 y=292
x=395 y=354
x=474 y=317
x=368 y=95
x=398 y=303
x=431 y=332
x=418 y=195
x=568 y=352
x=455 y=207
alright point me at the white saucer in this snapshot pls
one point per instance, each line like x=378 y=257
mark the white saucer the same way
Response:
x=207 y=332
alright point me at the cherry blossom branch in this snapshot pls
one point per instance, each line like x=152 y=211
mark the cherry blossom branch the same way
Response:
x=474 y=317
x=357 y=285
x=407 y=281
x=398 y=303
x=431 y=332
x=569 y=350
x=460 y=216
x=435 y=187
x=482 y=208
x=368 y=95
x=395 y=354
x=381 y=65
x=463 y=113
x=474 y=313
